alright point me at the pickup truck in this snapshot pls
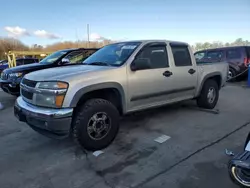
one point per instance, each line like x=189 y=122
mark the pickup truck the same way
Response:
x=87 y=100
x=10 y=78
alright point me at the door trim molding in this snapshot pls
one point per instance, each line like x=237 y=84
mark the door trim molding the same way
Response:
x=151 y=95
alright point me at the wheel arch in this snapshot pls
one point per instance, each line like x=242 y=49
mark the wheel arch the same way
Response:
x=214 y=76
x=101 y=90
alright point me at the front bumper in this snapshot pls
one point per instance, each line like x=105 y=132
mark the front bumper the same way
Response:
x=9 y=87
x=54 y=123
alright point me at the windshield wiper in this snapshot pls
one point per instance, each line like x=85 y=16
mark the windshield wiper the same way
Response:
x=98 y=63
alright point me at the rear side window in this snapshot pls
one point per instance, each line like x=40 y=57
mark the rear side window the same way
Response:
x=199 y=55
x=233 y=54
x=181 y=56
x=157 y=56
x=76 y=57
x=214 y=55
x=28 y=61
x=19 y=62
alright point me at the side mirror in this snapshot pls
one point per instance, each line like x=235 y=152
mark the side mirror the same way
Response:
x=140 y=64
x=65 y=61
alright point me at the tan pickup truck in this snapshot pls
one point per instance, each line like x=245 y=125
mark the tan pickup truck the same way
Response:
x=87 y=100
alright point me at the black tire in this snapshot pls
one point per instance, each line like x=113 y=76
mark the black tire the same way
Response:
x=235 y=180
x=83 y=117
x=203 y=100
x=231 y=75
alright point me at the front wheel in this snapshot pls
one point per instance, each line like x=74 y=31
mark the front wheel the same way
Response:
x=209 y=95
x=96 y=124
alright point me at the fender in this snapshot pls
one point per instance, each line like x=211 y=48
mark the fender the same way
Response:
x=94 y=87
x=207 y=77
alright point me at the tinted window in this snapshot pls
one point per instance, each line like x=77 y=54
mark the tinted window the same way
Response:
x=76 y=56
x=28 y=61
x=181 y=56
x=233 y=54
x=19 y=62
x=214 y=55
x=53 y=57
x=199 y=55
x=157 y=56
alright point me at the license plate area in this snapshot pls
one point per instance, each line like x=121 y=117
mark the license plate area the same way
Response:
x=19 y=115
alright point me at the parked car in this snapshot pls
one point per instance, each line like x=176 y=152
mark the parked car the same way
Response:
x=238 y=58
x=87 y=100
x=239 y=166
x=19 y=61
x=10 y=78
x=3 y=65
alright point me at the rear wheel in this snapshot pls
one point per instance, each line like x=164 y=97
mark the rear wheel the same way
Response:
x=96 y=124
x=209 y=95
x=231 y=75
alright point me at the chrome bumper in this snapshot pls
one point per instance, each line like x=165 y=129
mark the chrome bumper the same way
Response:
x=54 y=123
x=44 y=113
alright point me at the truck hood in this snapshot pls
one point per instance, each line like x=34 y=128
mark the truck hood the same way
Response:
x=63 y=73
x=3 y=66
x=25 y=68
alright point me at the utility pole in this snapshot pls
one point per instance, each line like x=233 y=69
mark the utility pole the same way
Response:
x=88 y=34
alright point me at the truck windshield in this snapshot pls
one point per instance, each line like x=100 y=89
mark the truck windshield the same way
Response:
x=53 y=57
x=113 y=54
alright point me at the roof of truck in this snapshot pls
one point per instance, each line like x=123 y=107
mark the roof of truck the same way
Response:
x=155 y=40
x=74 y=49
x=221 y=48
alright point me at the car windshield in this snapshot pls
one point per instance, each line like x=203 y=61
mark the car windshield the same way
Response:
x=53 y=57
x=113 y=54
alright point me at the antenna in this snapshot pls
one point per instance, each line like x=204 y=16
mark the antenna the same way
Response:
x=77 y=39
x=88 y=33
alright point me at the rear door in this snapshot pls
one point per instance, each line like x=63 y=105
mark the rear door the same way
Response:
x=184 y=78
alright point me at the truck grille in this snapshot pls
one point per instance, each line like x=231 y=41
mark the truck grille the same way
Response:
x=29 y=83
x=26 y=94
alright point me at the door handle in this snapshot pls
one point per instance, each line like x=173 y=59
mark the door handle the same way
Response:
x=191 y=71
x=167 y=73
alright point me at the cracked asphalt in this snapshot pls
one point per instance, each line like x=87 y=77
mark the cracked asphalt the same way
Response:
x=193 y=157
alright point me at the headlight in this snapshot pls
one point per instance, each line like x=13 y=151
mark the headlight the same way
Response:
x=50 y=94
x=15 y=75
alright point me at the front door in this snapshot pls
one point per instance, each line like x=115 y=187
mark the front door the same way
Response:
x=151 y=86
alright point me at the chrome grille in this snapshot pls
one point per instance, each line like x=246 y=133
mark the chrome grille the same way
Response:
x=26 y=93
x=29 y=83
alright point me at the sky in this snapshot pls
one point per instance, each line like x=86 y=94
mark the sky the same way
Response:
x=48 y=21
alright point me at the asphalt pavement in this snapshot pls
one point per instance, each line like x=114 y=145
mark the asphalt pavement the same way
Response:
x=194 y=156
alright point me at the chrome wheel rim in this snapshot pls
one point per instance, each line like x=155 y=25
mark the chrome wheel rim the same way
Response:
x=241 y=176
x=99 y=126
x=211 y=95
x=230 y=75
